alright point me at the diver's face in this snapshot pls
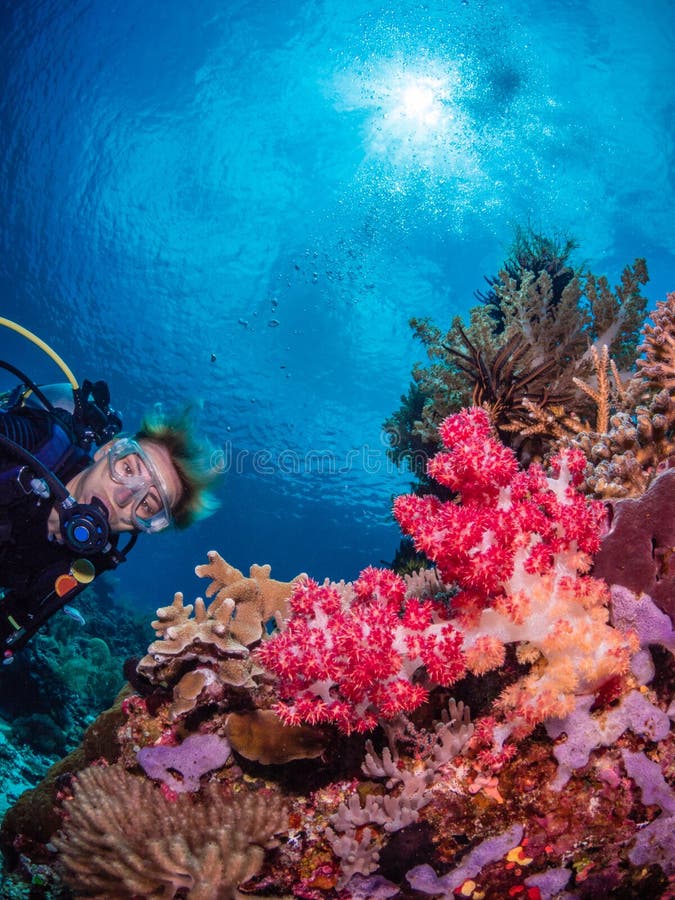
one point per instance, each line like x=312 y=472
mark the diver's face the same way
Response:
x=137 y=489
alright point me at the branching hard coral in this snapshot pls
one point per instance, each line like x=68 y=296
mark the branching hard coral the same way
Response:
x=600 y=395
x=658 y=365
x=633 y=437
x=122 y=838
x=624 y=460
x=206 y=656
x=525 y=355
x=407 y=793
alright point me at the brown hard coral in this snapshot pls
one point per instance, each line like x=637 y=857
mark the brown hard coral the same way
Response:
x=658 y=364
x=257 y=599
x=122 y=838
x=203 y=651
x=634 y=440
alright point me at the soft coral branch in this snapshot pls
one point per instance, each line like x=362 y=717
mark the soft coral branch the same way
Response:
x=349 y=655
x=515 y=545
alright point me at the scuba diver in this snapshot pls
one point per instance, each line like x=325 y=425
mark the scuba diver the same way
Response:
x=71 y=485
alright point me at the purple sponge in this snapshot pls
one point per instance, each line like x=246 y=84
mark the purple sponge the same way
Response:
x=198 y=754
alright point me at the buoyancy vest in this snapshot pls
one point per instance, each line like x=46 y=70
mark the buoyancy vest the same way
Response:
x=38 y=576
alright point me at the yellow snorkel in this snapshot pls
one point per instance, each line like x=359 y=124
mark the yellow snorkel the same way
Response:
x=94 y=419
x=14 y=326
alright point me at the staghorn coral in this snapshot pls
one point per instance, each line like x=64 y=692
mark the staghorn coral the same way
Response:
x=206 y=656
x=122 y=838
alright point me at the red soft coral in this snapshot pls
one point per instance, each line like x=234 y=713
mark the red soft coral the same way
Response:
x=515 y=545
x=350 y=657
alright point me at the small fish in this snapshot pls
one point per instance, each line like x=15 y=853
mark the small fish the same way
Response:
x=74 y=614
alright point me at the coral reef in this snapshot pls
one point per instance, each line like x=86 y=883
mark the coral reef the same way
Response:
x=525 y=354
x=70 y=671
x=406 y=794
x=238 y=765
x=515 y=545
x=632 y=439
x=658 y=365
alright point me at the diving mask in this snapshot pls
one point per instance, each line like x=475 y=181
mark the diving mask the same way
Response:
x=140 y=486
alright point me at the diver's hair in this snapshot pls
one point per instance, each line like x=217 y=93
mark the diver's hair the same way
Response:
x=191 y=457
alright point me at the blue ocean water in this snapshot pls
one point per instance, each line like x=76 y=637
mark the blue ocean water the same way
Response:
x=243 y=204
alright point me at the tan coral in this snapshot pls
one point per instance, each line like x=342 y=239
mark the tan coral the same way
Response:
x=600 y=394
x=259 y=735
x=122 y=838
x=203 y=652
x=637 y=440
x=658 y=364
x=258 y=598
x=210 y=626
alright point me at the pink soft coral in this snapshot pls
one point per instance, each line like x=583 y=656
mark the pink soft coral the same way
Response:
x=349 y=653
x=517 y=543
x=505 y=519
x=516 y=546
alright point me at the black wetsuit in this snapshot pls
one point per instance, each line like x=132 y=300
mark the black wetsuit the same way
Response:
x=35 y=572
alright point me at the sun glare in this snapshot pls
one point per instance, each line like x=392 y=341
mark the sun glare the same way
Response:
x=416 y=121
x=420 y=99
